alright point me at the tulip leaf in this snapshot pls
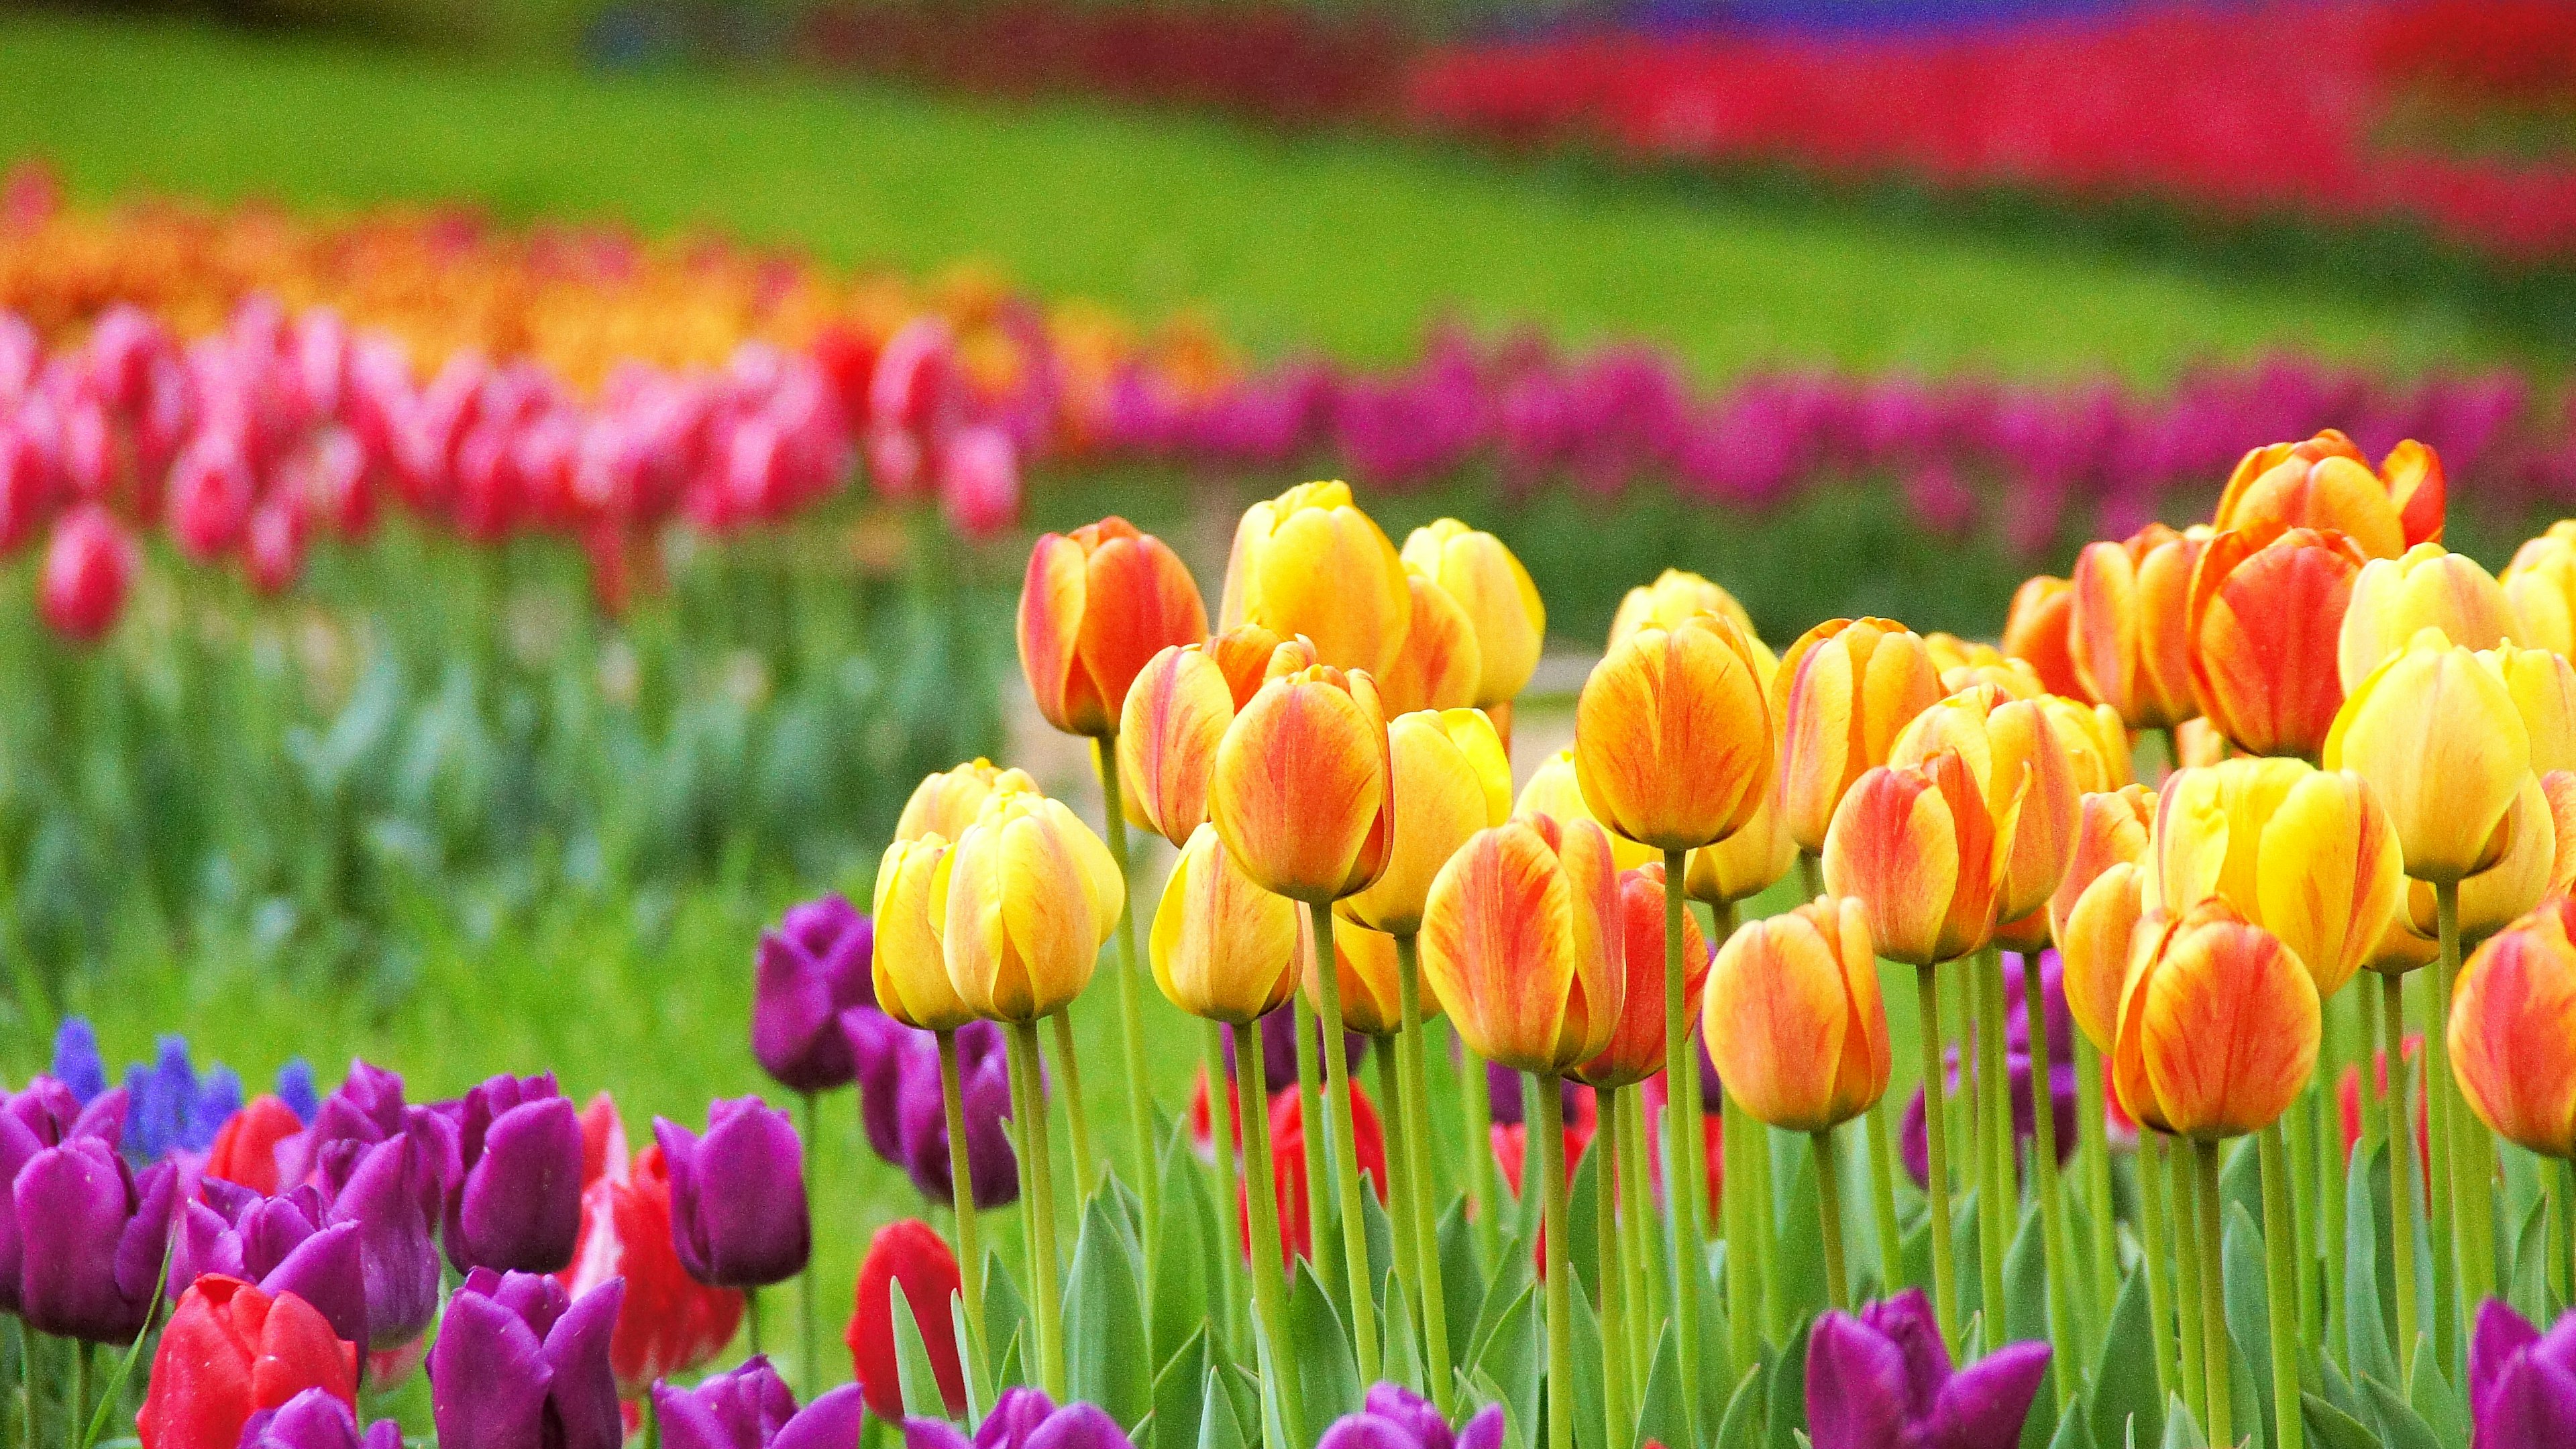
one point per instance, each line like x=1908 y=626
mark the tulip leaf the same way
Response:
x=2366 y=1267
x=1514 y=1355
x=1006 y=1319
x=1659 y=1411
x=2400 y=1427
x=1178 y=1387
x=1583 y=1236
x=975 y=1359
x=1462 y=1283
x=1965 y=1245
x=1188 y=1282
x=1512 y=1278
x=1273 y=1405
x=2334 y=1388
x=1519 y=1423
x=1400 y=1356
x=1218 y=1427
x=914 y=1377
x=2435 y=1400
x=2182 y=1431
x=1741 y=1428
x=2071 y=1433
x=1107 y=1359
x=2249 y=1314
x=1379 y=1230
x=1786 y=1395
x=1798 y=1259
x=2245 y=1420
x=1588 y=1387
x=2240 y=1179
x=112 y=1394
x=1012 y=1369
x=2332 y=1428
x=2528 y=1290
x=1328 y=1371
x=1242 y=1386
x=2124 y=1376
x=1914 y=1256
x=2026 y=1281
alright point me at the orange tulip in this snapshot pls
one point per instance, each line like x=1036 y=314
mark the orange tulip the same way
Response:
x=1675 y=595
x=2038 y=633
x=1222 y=947
x=1843 y=693
x=2218 y=1025
x=1365 y=972
x=2013 y=750
x=2265 y=621
x=2098 y=901
x=1303 y=792
x=1524 y=944
x=2126 y=626
x=1636 y=1049
x=946 y=803
x=1098 y=602
x=1793 y=1018
x=2326 y=483
x=2014 y=677
x=2425 y=588
x=2436 y=734
x=1553 y=790
x=1310 y=562
x=2513 y=1032
x=1920 y=849
x=1452 y=779
x=1440 y=663
x=1672 y=736
x=1744 y=864
x=1176 y=716
x=2540 y=583
x=1501 y=603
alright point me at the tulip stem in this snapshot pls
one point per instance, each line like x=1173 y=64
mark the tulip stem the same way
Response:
x=1616 y=1419
x=810 y=1364
x=961 y=1191
x=2557 y=1175
x=1560 y=1270
x=1425 y=1226
x=751 y=1320
x=1777 y=1311
x=1399 y=1173
x=1996 y=1198
x=1484 y=1178
x=2282 y=1247
x=2472 y=1145
x=81 y=1352
x=1736 y=1197
x=1936 y=1136
x=2217 y=1356
x=2320 y=1169
x=2401 y=1167
x=2096 y=1155
x=1086 y=1167
x=2056 y=1251
x=2438 y=1181
x=2175 y=1154
x=1267 y=1247
x=1131 y=1006
x=1829 y=1212
x=1637 y=1228
x=1681 y=1076
x=1882 y=1197
x=1037 y=1177
x=2153 y=1259
x=1223 y=1134
x=1346 y=1156
x=1314 y=1129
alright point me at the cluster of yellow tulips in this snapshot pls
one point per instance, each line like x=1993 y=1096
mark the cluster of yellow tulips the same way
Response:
x=2364 y=762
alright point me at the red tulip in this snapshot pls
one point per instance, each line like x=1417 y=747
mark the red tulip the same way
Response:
x=908 y=1252
x=210 y=496
x=245 y=1149
x=273 y=546
x=89 y=567
x=231 y=1350
x=1288 y=1169
x=2349 y=1105
x=668 y=1324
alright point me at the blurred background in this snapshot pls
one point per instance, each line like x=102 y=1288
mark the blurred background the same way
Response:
x=501 y=498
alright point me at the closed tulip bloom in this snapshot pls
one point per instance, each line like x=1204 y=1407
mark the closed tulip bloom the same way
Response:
x=2309 y=855
x=1882 y=1379
x=1177 y=714
x=245 y=1150
x=2218 y=1025
x=909 y=1254
x=910 y=965
x=1365 y=972
x=2092 y=930
x=2126 y=626
x=90 y=1232
x=516 y=1203
x=668 y=1323
x=1031 y=894
x=812 y=967
x=1310 y=562
x=1452 y=779
x=1950 y=652
x=1636 y=1049
x=1553 y=790
x=1844 y=691
x=2490 y=900
x=2266 y=622
x=1793 y=1018
x=1674 y=596
x=2014 y=678
x=984 y=1097
x=1097 y=603
x=2558 y=790
x=1222 y=947
x=2522 y=1382
x=1926 y=856
x=2436 y=734
x=1744 y=864
x=947 y=802
x=2097 y=744
x=2543 y=686
x=317 y=1419
x=1303 y=788
x=2036 y=632
x=231 y=1350
x=2513 y=1032
x=1501 y=604
x=521 y=1362
x=2425 y=588
x=2012 y=748
x=1672 y=735
x=738 y=1212
x=1439 y=665
x=1522 y=942
x=280 y=1245
x=751 y=1407
x=2540 y=583
x=2325 y=482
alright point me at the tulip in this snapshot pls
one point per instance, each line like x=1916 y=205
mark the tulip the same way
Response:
x=1741 y=866
x=1395 y=1417
x=2127 y=626
x=1636 y=1048
x=1884 y=1378
x=946 y=802
x=1303 y=791
x=1222 y=947
x=1793 y=1017
x=2540 y=583
x=2509 y=1032
x=245 y=1148
x=2426 y=588
x=2326 y=483
x=1675 y=595
x=281 y=1245
x=1672 y=735
x=1439 y=666
x=519 y=1362
x=812 y=967
x=392 y=1194
x=738 y=1215
x=230 y=1350
x=2522 y=1383
x=2037 y=631
x=1278 y=1032
x=1523 y=939
x=2097 y=743
x=2218 y=1025
x=2489 y=901
x=909 y=967
x=2063 y=1109
x=752 y=1408
x=1309 y=562
x=2437 y=735
x=1367 y=990
x=2543 y=686
x=1097 y=603
x=515 y=1202
x=2265 y=624
x=2558 y=789
x=89 y=569
x=1554 y=791
x=1452 y=778
x=1177 y=714
x=1843 y=693
x=1032 y=896
x=2024 y=770
x=317 y=1419
x=1925 y=855
x=90 y=1232
x=667 y=1324
x=1028 y=1426
x=1501 y=604
x=2095 y=912
x=984 y=1101
x=910 y=1254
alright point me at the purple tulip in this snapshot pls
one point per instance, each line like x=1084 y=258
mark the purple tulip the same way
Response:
x=1884 y=1378
x=47 y=1114
x=284 y=1244
x=365 y=1109
x=1915 y=1141
x=1503 y=1090
x=751 y=1408
x=2522 y=1383
x=738 y=1212
x=984 y=1090
x=314 y=1419
x=390 y=1196
x=879 y=1046
x=1395 y=1417
x=812 y=968
x=1023 y=1418
x=520 y=1365
x=90 y=1237
x=514 y=1202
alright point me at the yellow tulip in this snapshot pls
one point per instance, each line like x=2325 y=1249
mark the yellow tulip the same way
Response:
x=2393 y=599
x=2540 y=583
x=944 y=804
x=2097 y=744
x=2436 y=734
x=1303 y=789
x=1438 y=666
x=1672 y=735
x=1843 y=693
x=2558 y=788
x=1365 y=972
x=2013 y=749
x=1675 y=595
x=1521 y=942
x=1744 y=864
x=1310 y=562
x=1501 y=603
x=1029 y=895
x=1793 y=1018
x=1553 y=790
x=908 y=965
x=2490 y=900
x=2543 y=686
x=2218 y=1027
x=1223 y=948
x=1452 y=779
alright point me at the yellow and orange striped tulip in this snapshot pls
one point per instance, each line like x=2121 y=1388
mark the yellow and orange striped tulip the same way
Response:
x=2012 y=748
x=2265 y=622
x=1452 y=779
x=2436 y=734
x=944 y=804
x=2543 y=686
x=1843 y=693
x=2558 y=789
x=1304 y=789
x=907 y=964
x=1925 y=856
x=1310 y=562
x=1502 y=605
x=1793 y=1017
x=2540 y=583
x=2492 y=899
x=2095 y=941
x=2127 y=625
x=1097 y=603
x=2513 y=1032
x=1636 y=1049
x=1672 y=735
x=1440 y=662
x=2038 y=632
x=2218 y=1028
x=1554 y=790
x=1366 y=974
x=2325 y=482
x=1524 y=945
x=2393 y=599
x=1176 y=716
x=1222 y=947
x=1031 y=895
x=1675 y=595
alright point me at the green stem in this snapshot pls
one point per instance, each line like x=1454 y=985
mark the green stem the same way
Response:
x=1313 y=1128
x=1636 y=1230
x=1882 y=1198
x=2154 y=1260
x=2217 y=1359
x=2437 y=1169
x=809 y=1364
x=2562 y=1232
x=1399 y=1170
x=1743 y=1253
x=1777 y=1310
x=1484 y=1178
x=1346 y=1157
x=1426 y=1201
x=2095 y=1155
x=2173 y=748
x=1222 y=1133
x=2324 y=1161
x=2401 y=1167
x=82 y=1352
x=751 y=1319
x=2056 y=1251
x=2472 y=1145
x=1037 y=1178
x=1829 y=1213
x=1681 y=1075
x=2282 y=1247
x=2188 y=1315
x=1269 y=1288
x=1560 y=1270
x=652 y=1423
x=1995 y=1196
x=1086 y=1165
x=970 y=1250
x=1131 y=1004
x=1617 y=1418
x=1936 y=1133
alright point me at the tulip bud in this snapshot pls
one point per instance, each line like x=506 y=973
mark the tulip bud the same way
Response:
x=2218 y=1025
x=2265 y=624
x=1744 y=864
x=984 y=1099
x=945 y=803
x=738 y=1213
x=667 y=1324
x=2543 y=685
x=2540 y=583
x=89 y=568
x=2326 y=483
x=2127 y=625
x=1553 y=790
x=516 y=1203
x=2097 y=744
x=1793 y=1017
x=1176 y=716
x=2436 y=734
x=2013 y=750
x=910 y=966
x=231 y=1350
x=1672 y=735
x=1843 y=693
x=911 y=1255
x=1366 y=974
x=1222 y=947
x=1522 y=943
x=751 y=1407
x=316 y=1419
x=1674 y=596
x=2111 y=830
x=1452 y=779
x=519 y=1361
x=2393 y=599
x=2513 y=1032
x=1303 y=790
x=2037 y=632
x=1501 y=604
x=1309 y=562
x=1032 y=895
x=1097 y=604
x=2489 y=900
x=2095 y=939
x=1884 y=1377
x=1922 y=851
x=813 y=967
x=1439 y=664
x=245 y=1150
x=1636 y=1049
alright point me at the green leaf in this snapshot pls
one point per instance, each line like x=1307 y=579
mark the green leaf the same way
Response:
x=1659 y=1411
x=914 y=1378
x=1379 y=1230
x=1589 y=1384
x=2026 y=1282
x=1514 y=1356
x=1583 y=1235
x=1798 y=1251
x=2334 y=1388
x=974 y=1359
x=1006 y=1320
x=1741 y=1428
x=1272 y=1404
x=2240 y=1388
x=2124 y=1377
x=1915 y=1254
x=1965 y=1246
x=1108 y=1360
x=2249 y=1315
x=1787 y=1391
x=1177 y=1389
x=1462 y=1283
x=1012 y=1370
x=1218 y=1426
x=2528 y=1291
x=2400 y=1427
x=1520 y=1426
x=2071 y=1433
x=1187 y=1279
x=1513 y=1278
x=2182 y=1431
x=1327 y=1372
x=2332 y=1428
x=2367 y=1343
x=2240 y=1180
x=2435 y=1400
x=1400 y=1356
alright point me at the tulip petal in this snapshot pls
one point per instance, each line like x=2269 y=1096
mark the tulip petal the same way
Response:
x=1856 y=1386
x=1984 y=1404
